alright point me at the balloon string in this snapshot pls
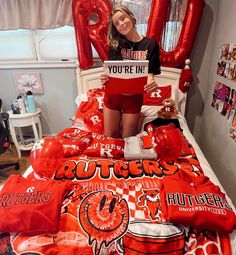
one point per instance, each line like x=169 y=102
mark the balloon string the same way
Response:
x=53 y=133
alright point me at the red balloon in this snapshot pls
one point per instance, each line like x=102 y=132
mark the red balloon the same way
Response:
x=190 y=25
x=97 y=33
x=86 y=33
x=168 y=140
x=157 y=18
x=46 y=156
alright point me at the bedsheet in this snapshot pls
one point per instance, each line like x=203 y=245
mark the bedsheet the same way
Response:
x=115 y=209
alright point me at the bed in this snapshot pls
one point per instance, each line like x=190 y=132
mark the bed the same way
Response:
x=116 y=205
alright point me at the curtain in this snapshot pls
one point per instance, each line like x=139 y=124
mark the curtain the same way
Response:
x=35 y=14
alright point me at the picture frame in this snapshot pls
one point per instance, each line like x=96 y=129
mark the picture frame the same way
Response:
x=224 y=51
x=232 y=52
x=28 y=82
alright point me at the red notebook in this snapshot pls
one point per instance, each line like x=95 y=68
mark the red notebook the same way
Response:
x=126 y=77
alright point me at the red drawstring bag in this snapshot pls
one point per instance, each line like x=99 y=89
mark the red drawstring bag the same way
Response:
x=85 y=107
x=94 y=121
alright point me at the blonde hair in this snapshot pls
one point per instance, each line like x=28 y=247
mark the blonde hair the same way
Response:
x=114 y=37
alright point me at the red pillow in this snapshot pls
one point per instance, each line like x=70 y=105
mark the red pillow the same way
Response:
x=85 y=107
x=156 y=97
x=74 y=141
x=106 y=147
x=93 y=120
x=96 y=95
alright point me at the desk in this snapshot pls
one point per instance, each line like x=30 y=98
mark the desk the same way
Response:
x=24 y=120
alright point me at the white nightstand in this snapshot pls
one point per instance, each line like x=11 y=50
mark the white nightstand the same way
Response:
x=24 y=120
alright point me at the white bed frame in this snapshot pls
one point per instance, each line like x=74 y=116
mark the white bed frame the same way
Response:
x=89 y=79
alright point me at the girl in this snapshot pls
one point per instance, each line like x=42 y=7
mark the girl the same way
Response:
x=122 y=111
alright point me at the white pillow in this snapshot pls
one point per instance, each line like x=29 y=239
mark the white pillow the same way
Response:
x=81 y=97
x=150 y=110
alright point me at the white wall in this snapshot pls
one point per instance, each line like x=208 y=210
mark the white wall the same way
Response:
x=219 y=149
x=57 y=102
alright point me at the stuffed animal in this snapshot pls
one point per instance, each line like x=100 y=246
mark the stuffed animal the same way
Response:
x=168 y=110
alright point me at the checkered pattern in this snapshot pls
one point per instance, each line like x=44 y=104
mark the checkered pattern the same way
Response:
x=131 y=195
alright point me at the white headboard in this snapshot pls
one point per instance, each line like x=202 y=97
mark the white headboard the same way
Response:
x=89 y=79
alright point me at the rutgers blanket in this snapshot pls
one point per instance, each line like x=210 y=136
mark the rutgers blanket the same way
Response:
x=115 y=209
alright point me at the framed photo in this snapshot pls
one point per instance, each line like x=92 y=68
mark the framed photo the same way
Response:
x=232 y=52
x=226 y=71
x=221 y=68
x=232 y=130
x=28 y=82
x=234 y=75
x=230 y=74
x=224 y=51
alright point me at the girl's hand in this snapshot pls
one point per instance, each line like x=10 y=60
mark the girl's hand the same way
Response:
x=150 y=86
x=104 y=78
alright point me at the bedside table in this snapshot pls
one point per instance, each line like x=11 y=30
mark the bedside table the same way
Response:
x=25 y=120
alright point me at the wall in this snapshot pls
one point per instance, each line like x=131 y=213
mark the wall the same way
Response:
x=57 y=102
x=219 y=149
x=200 y=61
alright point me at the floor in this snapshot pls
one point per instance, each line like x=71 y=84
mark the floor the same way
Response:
x=8 y=157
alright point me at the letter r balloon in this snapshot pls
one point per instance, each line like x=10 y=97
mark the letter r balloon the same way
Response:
x=97 y=33
x=91 y=33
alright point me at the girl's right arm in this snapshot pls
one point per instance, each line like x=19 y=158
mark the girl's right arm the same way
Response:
x=104 y=78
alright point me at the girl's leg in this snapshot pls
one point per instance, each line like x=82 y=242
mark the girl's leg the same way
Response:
x=140 y=122
x=112 y=119
x=130 y=124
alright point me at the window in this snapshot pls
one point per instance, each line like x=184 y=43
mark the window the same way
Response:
x=59 y=44
x=17 y=45
x=171 y=35
x=38 y=45
x=56 y=44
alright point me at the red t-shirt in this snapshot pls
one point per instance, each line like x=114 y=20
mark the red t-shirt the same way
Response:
x=195 y=201
x=30 y=205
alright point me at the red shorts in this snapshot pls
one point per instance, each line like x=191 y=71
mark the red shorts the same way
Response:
x=124 y=103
